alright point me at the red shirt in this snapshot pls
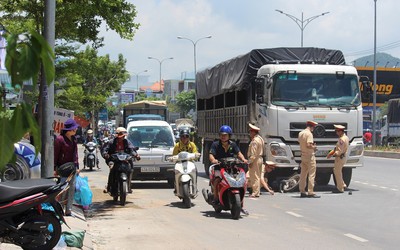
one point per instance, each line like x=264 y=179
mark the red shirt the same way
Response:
x=368 y=136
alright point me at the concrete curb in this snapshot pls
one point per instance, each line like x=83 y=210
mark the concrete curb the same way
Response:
x=383 y=154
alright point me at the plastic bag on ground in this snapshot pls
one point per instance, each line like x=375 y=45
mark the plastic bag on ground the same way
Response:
x=74 y=239
x=61 y=245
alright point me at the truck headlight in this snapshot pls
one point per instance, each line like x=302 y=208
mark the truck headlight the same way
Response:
x=357 y=150
x=277 y=150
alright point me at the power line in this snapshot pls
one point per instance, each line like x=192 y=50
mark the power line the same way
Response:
x=380 y=48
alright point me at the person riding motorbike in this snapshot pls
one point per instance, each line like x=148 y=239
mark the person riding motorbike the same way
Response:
x=223 y=148
x=90 y=138
x=118 y=144
x=184 y=144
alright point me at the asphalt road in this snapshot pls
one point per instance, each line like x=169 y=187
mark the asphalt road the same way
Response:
x=154 y=218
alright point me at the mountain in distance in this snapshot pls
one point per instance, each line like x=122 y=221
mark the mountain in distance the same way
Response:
x=383 y=60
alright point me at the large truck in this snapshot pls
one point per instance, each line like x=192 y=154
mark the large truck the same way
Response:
x=142 y=108
x=390 y=130
x=278 y=90
x=387 y=87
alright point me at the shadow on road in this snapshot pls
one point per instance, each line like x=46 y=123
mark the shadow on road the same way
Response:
x=150 y=185
x=223 y=215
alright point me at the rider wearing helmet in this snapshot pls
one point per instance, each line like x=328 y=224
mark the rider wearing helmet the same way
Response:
x=90 y=138
x=184 y=143
x=118 y=144
x=223 y=148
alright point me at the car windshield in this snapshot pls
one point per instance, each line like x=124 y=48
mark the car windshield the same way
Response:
x=308 y=90
x=151 y=136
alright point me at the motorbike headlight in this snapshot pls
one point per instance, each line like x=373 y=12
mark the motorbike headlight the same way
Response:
x=91 y=148
x=16 y=171
x=277 y=150
x=237 y=182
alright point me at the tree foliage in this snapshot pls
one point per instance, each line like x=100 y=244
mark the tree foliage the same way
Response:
x=76 y=20
x=186 y=101
x=24 y=54
x=88 y=79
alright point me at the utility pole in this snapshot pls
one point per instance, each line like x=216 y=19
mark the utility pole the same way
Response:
x=47 y=97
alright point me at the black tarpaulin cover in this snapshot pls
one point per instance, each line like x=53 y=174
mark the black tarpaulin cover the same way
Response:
x=240 y=72
x=394 y=111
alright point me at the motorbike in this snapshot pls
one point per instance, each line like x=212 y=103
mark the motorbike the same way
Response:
x=232 y=187
x=185 y=176
x=90 y=155
x=119 y=186
x=23 y=219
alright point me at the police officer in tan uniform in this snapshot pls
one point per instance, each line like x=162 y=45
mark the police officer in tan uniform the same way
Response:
x=308 y=164
x=340 y=157
x=254 y=156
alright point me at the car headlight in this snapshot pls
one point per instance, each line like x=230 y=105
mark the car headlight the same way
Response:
x=166 y=157
x=277 y=150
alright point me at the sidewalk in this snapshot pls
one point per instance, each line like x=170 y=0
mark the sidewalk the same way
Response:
x=76 y=222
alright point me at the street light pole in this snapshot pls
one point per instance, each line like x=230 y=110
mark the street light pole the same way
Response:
x=374 y=90
x=137 y=79
x=302 y=23
x=160 y=62
x=194 y=49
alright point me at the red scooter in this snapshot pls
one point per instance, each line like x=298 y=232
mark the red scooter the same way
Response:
x=232 y=187
x=23 y=221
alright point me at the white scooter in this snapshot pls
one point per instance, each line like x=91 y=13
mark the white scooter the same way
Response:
x=185 y=176
x=90 y=156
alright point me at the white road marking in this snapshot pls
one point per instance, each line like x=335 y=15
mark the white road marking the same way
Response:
x=383 y=187
x=394 y=189
x=294 y=214
x=355 y=237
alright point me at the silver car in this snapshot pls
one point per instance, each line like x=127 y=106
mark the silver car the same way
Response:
x=156 y=142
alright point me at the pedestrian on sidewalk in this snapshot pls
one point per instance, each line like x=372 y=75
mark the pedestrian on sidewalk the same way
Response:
x=66 y=151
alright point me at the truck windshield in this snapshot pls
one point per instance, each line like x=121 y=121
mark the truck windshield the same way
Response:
x=315 y=90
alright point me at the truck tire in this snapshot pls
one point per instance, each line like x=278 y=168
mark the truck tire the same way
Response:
x=323 y=179
x=347 y=173
x=206 y=160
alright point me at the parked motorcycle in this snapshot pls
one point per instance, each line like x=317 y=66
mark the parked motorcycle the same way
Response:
x=185 y=176
x=119 y=187
x=23 y=221
x=232 y=187
x=90 y=155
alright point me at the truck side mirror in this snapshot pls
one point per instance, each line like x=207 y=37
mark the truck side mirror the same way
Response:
x=260 y=90
x=366 y=88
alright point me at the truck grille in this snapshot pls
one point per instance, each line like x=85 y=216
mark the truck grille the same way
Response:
x=322 y=130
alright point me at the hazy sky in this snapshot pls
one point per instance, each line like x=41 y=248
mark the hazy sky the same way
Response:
x=238 y=26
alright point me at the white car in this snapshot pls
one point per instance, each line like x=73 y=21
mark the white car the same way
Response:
x=156 y=142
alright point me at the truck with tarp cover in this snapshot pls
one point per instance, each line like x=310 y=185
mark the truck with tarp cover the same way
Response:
x=278 y=90
x=142 y=108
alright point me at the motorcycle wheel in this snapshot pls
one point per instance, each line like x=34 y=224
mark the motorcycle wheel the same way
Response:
x=186 y=197
x=122 y=192
x=290 y=185
x=52 y=234
x=236 y=206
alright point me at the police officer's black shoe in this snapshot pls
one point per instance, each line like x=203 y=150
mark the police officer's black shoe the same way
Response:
x=303 y=195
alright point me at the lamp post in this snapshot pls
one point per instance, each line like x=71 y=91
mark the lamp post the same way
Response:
x=194 y=49
x=137 y=79
x=160 y=62
x=302 y=23
x=374 y=90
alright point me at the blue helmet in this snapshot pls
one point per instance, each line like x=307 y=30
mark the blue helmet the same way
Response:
x=225 y=129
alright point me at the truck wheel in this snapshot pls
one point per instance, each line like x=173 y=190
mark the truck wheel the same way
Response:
x=347 y=173
x=323 y=179
x=206 y=160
